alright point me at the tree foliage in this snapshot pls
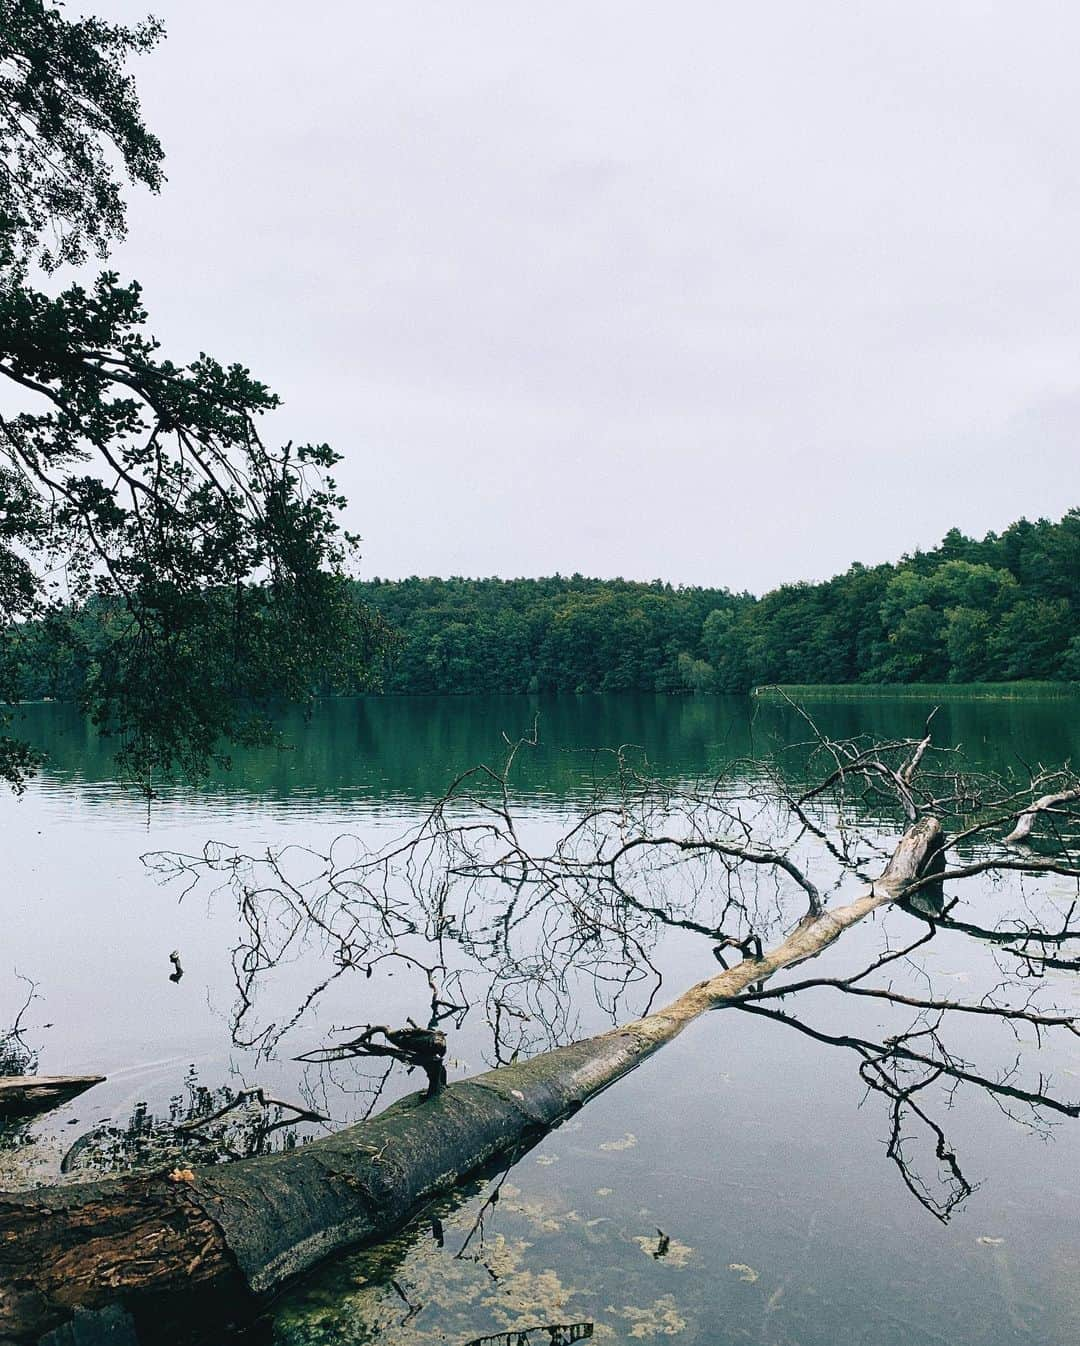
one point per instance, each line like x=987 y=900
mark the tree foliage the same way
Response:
x=997 y=609
x=67 y=105
x=1000 y=609
x=560 y=634
x=145 y=525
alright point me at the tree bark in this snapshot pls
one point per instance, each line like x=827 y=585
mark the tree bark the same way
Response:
x=1028 y=818
x=169 y=1249
x=25 y=1095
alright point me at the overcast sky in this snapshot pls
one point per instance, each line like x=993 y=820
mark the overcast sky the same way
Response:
x=712 y=292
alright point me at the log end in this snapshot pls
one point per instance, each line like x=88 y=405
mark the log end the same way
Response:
x=143 y=1245
x=26 y=1095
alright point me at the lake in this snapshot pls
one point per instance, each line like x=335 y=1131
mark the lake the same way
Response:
x=735 y=1189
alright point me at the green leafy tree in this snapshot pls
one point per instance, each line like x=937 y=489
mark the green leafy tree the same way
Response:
x=216 y=563
x=67 y=109
x=1031 y=640
x=967 y=633
x=726 y=646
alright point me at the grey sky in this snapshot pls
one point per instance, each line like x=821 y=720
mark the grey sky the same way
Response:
x=720 y=293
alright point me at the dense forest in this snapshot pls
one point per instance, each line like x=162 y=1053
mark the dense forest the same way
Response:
x=1003 y=608
x=1000 y=609
x=558 y=634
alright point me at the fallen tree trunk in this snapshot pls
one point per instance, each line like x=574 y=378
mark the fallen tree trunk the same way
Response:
x=204 y=1243
x=26 y=1095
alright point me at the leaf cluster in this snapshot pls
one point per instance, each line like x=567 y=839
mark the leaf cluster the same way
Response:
x=148 y=531
x=68 y=109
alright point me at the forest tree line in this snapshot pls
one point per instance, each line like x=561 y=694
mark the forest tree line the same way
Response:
x=1003 y=608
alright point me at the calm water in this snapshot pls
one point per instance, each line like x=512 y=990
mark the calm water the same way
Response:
x=755 y=1150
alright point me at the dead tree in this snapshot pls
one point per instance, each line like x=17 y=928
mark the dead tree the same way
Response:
x=176 y=1248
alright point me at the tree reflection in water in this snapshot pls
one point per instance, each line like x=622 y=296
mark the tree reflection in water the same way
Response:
x=491 y=913
x=203 y=1126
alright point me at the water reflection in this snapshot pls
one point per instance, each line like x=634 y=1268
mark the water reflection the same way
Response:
x=397 y=749
x=17 y=1056
x=744 y=1148
x=202 y=1126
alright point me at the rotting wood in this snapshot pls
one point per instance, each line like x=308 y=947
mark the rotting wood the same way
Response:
x=166 y=1249
x=25 y=1095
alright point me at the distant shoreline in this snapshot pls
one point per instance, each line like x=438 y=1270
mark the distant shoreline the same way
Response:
x=920 y=691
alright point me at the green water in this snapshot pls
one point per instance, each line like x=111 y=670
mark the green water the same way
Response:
x=379 y=748
x=754 y=1150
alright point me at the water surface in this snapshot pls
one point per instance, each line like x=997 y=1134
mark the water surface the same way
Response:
x=755 y=1151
